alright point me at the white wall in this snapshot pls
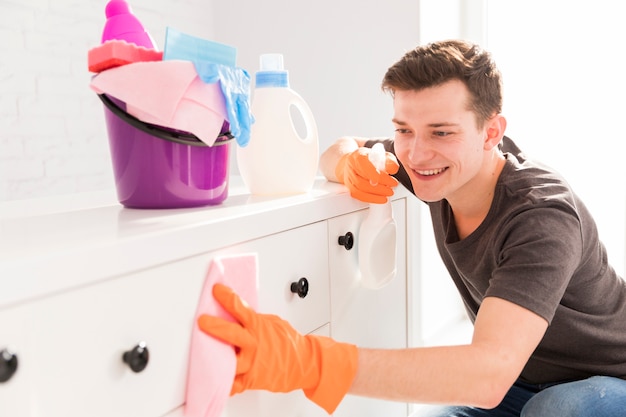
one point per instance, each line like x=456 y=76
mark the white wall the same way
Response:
x=336 y=52
x=52 y=134
x=564 y=88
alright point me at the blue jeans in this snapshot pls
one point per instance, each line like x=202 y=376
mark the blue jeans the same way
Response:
x=598 y=396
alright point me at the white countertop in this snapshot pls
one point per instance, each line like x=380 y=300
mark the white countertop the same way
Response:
x=50 y=245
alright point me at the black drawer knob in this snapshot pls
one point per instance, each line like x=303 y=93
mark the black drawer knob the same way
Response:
x=137 y=358
x=301 y=287
x=8 y=365
x=347 y=241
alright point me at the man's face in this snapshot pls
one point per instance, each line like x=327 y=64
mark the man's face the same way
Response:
x=438 y=143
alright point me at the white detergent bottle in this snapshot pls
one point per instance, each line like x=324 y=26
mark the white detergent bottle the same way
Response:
x=277 y=160
x=377 y=236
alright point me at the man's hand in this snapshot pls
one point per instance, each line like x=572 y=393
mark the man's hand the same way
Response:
x=273 y=356
x=364 y=181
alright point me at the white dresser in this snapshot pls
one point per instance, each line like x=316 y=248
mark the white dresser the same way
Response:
x=85 y=282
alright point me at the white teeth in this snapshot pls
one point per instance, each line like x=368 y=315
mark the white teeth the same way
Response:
x=431 y=171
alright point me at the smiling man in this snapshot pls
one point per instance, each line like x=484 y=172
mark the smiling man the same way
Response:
x=549 y=312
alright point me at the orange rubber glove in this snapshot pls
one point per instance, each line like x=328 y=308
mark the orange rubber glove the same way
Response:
x=363 y=180
x=273 y=356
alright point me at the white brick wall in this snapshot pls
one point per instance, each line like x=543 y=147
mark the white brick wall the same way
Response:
x=52 y=134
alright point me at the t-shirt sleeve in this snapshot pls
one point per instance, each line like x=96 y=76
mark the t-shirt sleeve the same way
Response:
x=540 y=251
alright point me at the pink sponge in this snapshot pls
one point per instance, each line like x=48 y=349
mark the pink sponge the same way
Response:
x=213 y=363
x=114 y=53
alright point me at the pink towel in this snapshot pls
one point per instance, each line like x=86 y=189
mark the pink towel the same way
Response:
x=167 y=93
x=212 y=363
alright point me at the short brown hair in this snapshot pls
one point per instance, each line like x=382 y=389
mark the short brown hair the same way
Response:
x=438 y=62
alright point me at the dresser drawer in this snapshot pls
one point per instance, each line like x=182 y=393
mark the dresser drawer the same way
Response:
x=284 y=259
x=78 y=338
x=14 y=388
x=375 y=318
x=366 y=317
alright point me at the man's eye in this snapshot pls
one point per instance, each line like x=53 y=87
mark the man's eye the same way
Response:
x=441 y=134
x=402 y=131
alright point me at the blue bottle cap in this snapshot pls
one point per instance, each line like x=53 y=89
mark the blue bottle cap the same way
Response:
x=272 y=72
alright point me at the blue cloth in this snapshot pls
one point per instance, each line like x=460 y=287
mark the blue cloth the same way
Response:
x=235 y=85
x=215 y=62
x=179 y=45
x=598 y=396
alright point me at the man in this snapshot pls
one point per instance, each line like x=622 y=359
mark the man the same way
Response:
x=549 y=313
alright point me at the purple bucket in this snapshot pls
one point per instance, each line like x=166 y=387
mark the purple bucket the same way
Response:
x=156 y=167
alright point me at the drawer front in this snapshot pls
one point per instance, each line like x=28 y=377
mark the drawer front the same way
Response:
x=284 y=259
x=368 y=318
x=16 y=366
x=78 y=338
x=81 y=337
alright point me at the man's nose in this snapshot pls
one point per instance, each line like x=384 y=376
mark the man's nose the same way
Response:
x=419 y=150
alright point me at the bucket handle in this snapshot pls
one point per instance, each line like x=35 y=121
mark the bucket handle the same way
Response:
x=157 y=131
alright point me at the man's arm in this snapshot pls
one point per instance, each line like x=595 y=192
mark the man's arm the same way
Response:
x=478 y=374
x=271 y=355
x=330 y=157
x=347 y=162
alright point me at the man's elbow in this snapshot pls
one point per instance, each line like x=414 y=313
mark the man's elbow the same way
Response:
x=493 y=392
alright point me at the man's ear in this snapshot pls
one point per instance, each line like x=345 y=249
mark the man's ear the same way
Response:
x=494 y=131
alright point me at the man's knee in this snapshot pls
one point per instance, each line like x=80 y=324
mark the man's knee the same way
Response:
x=597 y=396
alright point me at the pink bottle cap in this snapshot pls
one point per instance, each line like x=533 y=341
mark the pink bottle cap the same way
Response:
x=122 y=24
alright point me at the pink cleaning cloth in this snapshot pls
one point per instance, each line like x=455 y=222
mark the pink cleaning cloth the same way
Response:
x=115 y=53
x=167 y=93
x=212 y=363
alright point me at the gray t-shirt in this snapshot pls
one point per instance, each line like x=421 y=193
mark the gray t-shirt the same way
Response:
x=538 y=247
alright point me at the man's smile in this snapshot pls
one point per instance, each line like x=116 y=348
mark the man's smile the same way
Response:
x=430 y=172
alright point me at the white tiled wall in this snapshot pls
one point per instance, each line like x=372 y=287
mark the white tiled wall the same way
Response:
x=52 y=133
